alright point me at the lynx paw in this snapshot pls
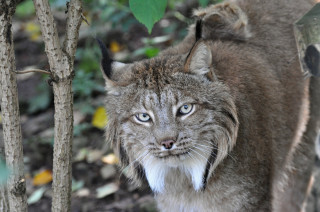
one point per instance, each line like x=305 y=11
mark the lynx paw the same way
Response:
x=223 y=21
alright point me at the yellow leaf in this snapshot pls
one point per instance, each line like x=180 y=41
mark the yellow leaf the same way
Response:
x=110 y=159
x=0 y=119
x=100 y=118
x=33 y=30
x=115 y=47
x=42 y=178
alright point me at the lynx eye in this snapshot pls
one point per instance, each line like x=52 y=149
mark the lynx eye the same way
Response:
x=143 y=117
x=185 y=109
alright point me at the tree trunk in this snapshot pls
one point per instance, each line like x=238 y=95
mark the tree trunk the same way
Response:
x=61 y=65
x=4 y=204
x=10 y=112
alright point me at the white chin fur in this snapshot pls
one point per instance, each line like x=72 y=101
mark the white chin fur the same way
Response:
x=196 y=171
x=156 y=173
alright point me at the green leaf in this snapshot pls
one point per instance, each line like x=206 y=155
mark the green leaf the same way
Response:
x=146 y=51
x=76 y=185
x=36 y=196
x=25 y=9
x=152 y=52
x=204 y=3
x=148 y=12
x=107 y=190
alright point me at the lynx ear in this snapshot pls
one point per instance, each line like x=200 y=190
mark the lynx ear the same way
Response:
x=199 y=60
x=108 y=66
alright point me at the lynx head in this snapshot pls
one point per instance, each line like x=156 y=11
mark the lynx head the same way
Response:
x=169 y=113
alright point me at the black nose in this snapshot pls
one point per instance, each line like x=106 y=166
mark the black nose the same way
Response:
x=167 y=144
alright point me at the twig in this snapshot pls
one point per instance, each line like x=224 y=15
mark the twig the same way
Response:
x=85 y=19
x=33 y=70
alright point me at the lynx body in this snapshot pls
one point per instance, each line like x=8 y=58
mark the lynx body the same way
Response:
x=223 y=121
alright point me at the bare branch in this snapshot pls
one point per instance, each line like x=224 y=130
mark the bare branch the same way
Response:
x=33 y=70
x=85 y=19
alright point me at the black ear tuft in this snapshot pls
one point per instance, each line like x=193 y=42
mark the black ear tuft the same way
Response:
x=106 y=59
x=198 y=29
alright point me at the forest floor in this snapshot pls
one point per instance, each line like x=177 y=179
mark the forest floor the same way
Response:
x=98 y=185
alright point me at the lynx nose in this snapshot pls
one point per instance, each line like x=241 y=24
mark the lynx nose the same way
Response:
x=167 y=144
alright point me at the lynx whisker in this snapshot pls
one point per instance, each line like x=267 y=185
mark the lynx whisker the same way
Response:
x=198 y=153
x=139 y=159
x=206 y=146
x=223 y=151
x=193 y=156
x=202 y=149
x=206 y=150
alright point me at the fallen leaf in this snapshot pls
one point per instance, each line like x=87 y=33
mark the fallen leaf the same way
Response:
x=106 y=190
x=84 y=192
x=108 y=171
x=76 y=185
x=36 y=195
x=94 y=155
x=110 y=159
x=0 y=119
x=115 y=47
x=42 y=178
x=81 y=155
x=78 y=117
x=33 y=31
x=100 y=118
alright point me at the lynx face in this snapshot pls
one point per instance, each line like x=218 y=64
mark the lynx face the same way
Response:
x=169 y=114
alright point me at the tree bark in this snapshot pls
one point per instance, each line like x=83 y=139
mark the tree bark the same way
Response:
x=10 y=112
x=4 y=204
x=61 y=65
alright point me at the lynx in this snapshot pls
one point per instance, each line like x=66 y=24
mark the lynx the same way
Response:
x=225 y=120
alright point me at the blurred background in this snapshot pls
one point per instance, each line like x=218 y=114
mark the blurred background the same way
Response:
x=97 y=183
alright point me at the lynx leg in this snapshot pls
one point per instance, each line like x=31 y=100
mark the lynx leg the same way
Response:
x=293 y=194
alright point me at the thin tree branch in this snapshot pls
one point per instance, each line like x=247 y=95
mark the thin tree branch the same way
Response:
x=85 y=19
x=33 y=70
x=73 y=24
x=51 y=39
